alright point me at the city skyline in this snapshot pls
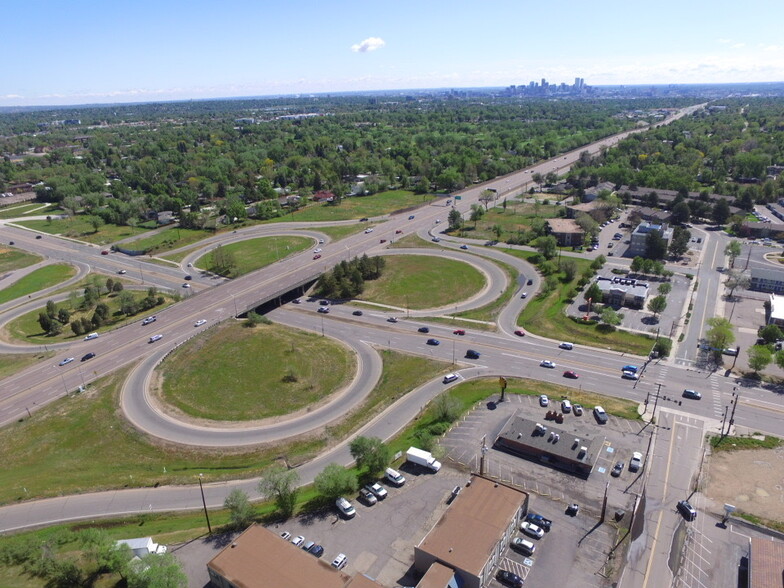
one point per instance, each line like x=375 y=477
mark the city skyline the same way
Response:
x=85 y=52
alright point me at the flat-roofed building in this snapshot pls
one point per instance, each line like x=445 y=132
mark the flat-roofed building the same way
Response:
x=766 y=565
x=566 y=231
x=765 y=279
x=776 y=316
x=618 y=291
x=472 y=534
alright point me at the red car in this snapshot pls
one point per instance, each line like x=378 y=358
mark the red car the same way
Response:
x=382 y=241
x=570 y=374
x=105 y=252
x=398 y=232
x=458 y=332
x=317 y=256
x=520 y=333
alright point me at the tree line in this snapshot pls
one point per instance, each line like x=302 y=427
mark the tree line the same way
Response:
x=347 y=279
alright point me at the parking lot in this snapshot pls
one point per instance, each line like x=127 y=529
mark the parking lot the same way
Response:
x=575 y=552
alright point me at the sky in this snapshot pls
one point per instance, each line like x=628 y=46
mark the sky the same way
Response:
x=59 y=52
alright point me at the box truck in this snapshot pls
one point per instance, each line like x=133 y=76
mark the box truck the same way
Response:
x=423 y=458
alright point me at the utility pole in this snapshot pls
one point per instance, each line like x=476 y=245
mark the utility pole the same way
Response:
x=732 y=415
x=724 y=420
x=483 y=451
x=204 y=503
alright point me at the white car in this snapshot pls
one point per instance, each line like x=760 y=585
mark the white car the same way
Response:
x=91 y=336
x=369 y=230
x=67 y=360
x=630 y=375
x=340 y=561
x=298 y=540
x=566 y=406
x=377 y=489
x=547 y=363
x=345 y=507
x=121 y=272
x=543 y=400
x=636 y=461
x=200 y=322
x=155 y=338
x=286 y=535
x=149 y=319
x=317 y=250
x=532 y=530
x=449 y=378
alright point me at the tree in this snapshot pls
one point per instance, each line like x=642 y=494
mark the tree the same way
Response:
x=655 y=245
x=665 y=288
x=446 y=408
x=681 y=213
x=45 y=321
x=487 y=196
x=455 y=219
x=537 y=178
x=241 y=513
x=611 y=317
x=732 y=250
x=721 y=211
x=96 y=222
x=497 y=231
x=736 y=279
x=51 y=309
x=477 y=212
x=222 y=262
x=636 y=264
x=335 y=481
x=770 y=333
x=656 y=305
x=117 y=287
x=760 y=357
x=719 y=335
x=109 y=284
x=547 y=246
x=280 y=484
x=156 y=571
x=370 y=453
x=63 y=315
x=76 y=327
x=779 y=358
x=569 y=269
x=593 y=293
x=680 y=241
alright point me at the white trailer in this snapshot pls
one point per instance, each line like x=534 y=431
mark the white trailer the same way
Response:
x=423 y=458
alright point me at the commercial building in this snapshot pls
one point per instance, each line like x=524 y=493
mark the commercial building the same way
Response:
x=260 y=558
x=766 y=563
x=776 y=316
x=618 y=291
x=466 y=544
x=639 y=239
x=568 y=447
x=767 y=280
x=566 y=231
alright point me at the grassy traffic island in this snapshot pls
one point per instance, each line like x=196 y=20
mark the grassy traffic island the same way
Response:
x=247 y=374
x=237 y=259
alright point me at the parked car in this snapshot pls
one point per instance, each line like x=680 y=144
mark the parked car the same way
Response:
x=617 y=469
x=693 y=394
x=636 y=461
x=510 y=579
x=573 y=509
x=367 y=497
x=524 y=546
x=307 y=545
x=600 y=414
x=340 y=561
x=566 y=406
x=377 y=489
x=285 y=535
x=577 y=409
x=532 y=530
x=544 y=400
x=345 y=507
x=317 y=550
x=298 y=540
x=539 y=520
x=687 y=510
x=394 y=477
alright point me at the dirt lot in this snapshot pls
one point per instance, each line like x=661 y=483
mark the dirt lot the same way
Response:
x=752 y=480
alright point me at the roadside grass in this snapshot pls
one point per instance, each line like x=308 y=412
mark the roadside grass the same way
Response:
x=21 y=210
x=12 y=363
x=421 y=281
x=171 y=238
x=517 y=217
x=13 y=259
x=81 y=443
x=414 y=241
x=180 y=255
x=358 y=207
x=719 y=443
x=35 y=281
x=294 y=370
x=759 y=521
x=26 y=327
x=258 y=252
x=79 y=228
x=338 y=232
x=490 y=311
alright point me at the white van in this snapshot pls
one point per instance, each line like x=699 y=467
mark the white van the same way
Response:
x=394 y=477
x=449 y=378
x=565 y=345
x=91 y=336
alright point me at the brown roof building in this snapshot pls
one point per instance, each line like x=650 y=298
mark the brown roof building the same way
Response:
x=566 y=231
x=492 y=511
x=259 y=558
x=766 y=568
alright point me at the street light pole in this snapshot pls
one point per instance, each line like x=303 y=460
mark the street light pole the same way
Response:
x=204 y=503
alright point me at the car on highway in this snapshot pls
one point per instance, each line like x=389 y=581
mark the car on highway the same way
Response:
x=547 y=363
x=369 y=230
x=433 y=342
x=186 y=285
x=600 y=414
x=423 y=329
x=472 y=354
x=509 y=578
x=530 y=282
x=200 y=322
x=635 y=463
x=11 y=243
x=149 y=319
x=532 y=530
x=155 y=338
x=538 y=519
x=367 y=497
x=524 y=295
x=524 y=546
x=570 y=374
x=321 y=241
x=464 y=247
x=687 y=510
x=66 y=361
x=296 y=301
x=317 y=256
x=357 y=313
x=91 y=336
x=565 y=345
x=122 y=272
x=438 y=221
x=188 y=277
x=377 y=489
x=105 y=252
x=392 y=319
x=364 y=219
x=693 y=394
x=38 y=237
x=87 y=356
x=449 y=378
x=458 y=332
x=544 y=400
x=630 y=368
x=626 y=374
x=617 y=469
x=520 y=333
x=345 y=507
x=399 y=231
x=317 y=250
x=411 y=217
x=382 y=240
x=577 y=409
x=323 y=309
x=435 y=240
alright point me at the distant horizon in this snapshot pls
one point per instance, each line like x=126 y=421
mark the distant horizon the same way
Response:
x=390 y=91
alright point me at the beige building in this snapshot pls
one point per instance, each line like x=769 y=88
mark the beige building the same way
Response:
x=566 y=231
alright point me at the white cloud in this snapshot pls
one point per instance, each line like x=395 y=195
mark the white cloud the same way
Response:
x=369 y=44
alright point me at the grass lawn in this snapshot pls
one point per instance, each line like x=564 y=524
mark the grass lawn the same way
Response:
x=289 y=370
x=26 y=327
x=78 y=228
x=490 y=311
x=415 y=241
x=719 y=443
x=517 y=217
x=171 y=238
x=81 y=443
x=13 y=259
x=358 y=207
x=23 y=209
x=253 y=254
x=42 y=278
x=421 y=281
